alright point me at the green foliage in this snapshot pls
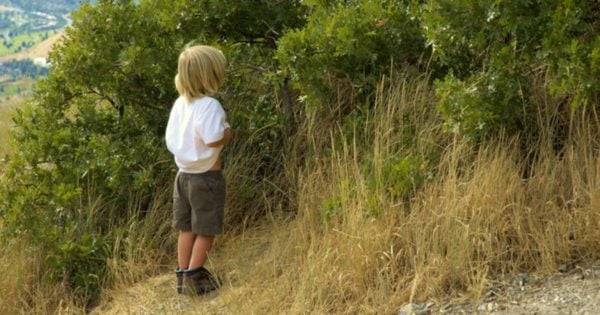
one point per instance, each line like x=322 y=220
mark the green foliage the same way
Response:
x=402 y=176
x=82 y=260
x=251 y=22
x=94 y=129
x=571 y=47
x=345 y=48
x=397 y=179
x=492 y=49
x=329 y=209
x=481 y=103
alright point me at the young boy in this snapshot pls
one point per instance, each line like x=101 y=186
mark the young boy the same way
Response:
x=196 y=133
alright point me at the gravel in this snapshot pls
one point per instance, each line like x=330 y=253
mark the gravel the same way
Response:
x=572 y=290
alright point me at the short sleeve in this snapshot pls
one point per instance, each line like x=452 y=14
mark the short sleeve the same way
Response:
x=212 y=123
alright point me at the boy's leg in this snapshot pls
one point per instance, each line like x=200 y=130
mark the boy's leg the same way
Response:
x=185 y=245
x=197 y=279
x=202 y=244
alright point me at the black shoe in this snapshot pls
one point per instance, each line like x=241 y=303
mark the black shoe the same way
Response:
x=200 y=281
x=179 y=274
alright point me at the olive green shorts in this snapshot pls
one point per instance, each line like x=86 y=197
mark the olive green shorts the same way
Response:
x=199 y=202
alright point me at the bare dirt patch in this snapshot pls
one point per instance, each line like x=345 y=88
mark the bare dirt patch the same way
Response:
x=576 y=291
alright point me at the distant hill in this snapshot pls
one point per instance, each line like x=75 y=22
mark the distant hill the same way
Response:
x=28 y=31
x=39 y=50
x=24 y=24
x=53 y=6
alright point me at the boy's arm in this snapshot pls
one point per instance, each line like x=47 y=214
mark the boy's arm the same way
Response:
x=227 y=135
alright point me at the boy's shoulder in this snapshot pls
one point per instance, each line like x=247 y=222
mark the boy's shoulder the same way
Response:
x=207 y=104
x=206 y=101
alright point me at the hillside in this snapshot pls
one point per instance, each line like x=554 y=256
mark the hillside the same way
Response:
x=242 y=262
x=28 y=31
x=24 y=24
x=40 y=50
x=55 y=6
x=567 y=294
x=389 y=157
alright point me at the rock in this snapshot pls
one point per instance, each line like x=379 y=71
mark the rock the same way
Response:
x=563 y=268
x=415 y=309
x=488 y=307
x=521 y=280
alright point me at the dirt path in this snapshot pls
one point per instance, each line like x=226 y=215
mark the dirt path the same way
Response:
x=574 y=292
x=157 y=296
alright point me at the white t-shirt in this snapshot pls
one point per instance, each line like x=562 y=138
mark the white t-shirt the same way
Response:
x=191 y=126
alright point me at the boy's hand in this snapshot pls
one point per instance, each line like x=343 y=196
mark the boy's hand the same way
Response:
x=227 y=135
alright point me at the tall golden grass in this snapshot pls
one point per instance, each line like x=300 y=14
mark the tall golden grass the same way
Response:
x=476 y=219
x=141 y=250
x=24 y=286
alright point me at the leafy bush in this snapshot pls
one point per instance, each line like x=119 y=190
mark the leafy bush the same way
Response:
x=481 y=103
x=91 y=152
x=346 y=47
x=93 y=132
x=492 y=49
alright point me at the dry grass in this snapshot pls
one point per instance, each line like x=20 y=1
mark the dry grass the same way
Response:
x=475 y=220
x=23 y=285
x=141 y=250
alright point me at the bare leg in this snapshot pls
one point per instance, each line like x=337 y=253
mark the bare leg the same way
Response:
x=185 y=243
x=202 y=244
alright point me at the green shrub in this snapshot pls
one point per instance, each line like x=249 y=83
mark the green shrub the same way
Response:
x=493 y=49
x=346 y=47
x=482 y=103
x=92 y=139
x=81 y=262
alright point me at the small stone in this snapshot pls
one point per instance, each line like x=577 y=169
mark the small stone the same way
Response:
x=482 y=307
x=524 y=277
x=489 y=296
x=520 y=281
x=415 y=309
x=488 y=307
x=492 y=306
x=446 y=308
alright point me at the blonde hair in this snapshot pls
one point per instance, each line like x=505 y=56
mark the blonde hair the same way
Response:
x=200 y=71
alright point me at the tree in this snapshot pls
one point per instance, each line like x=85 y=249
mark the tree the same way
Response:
x=96 y=124
x=250 y=31
x=95 y=129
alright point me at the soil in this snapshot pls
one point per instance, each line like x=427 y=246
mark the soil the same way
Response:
x=572 y=290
